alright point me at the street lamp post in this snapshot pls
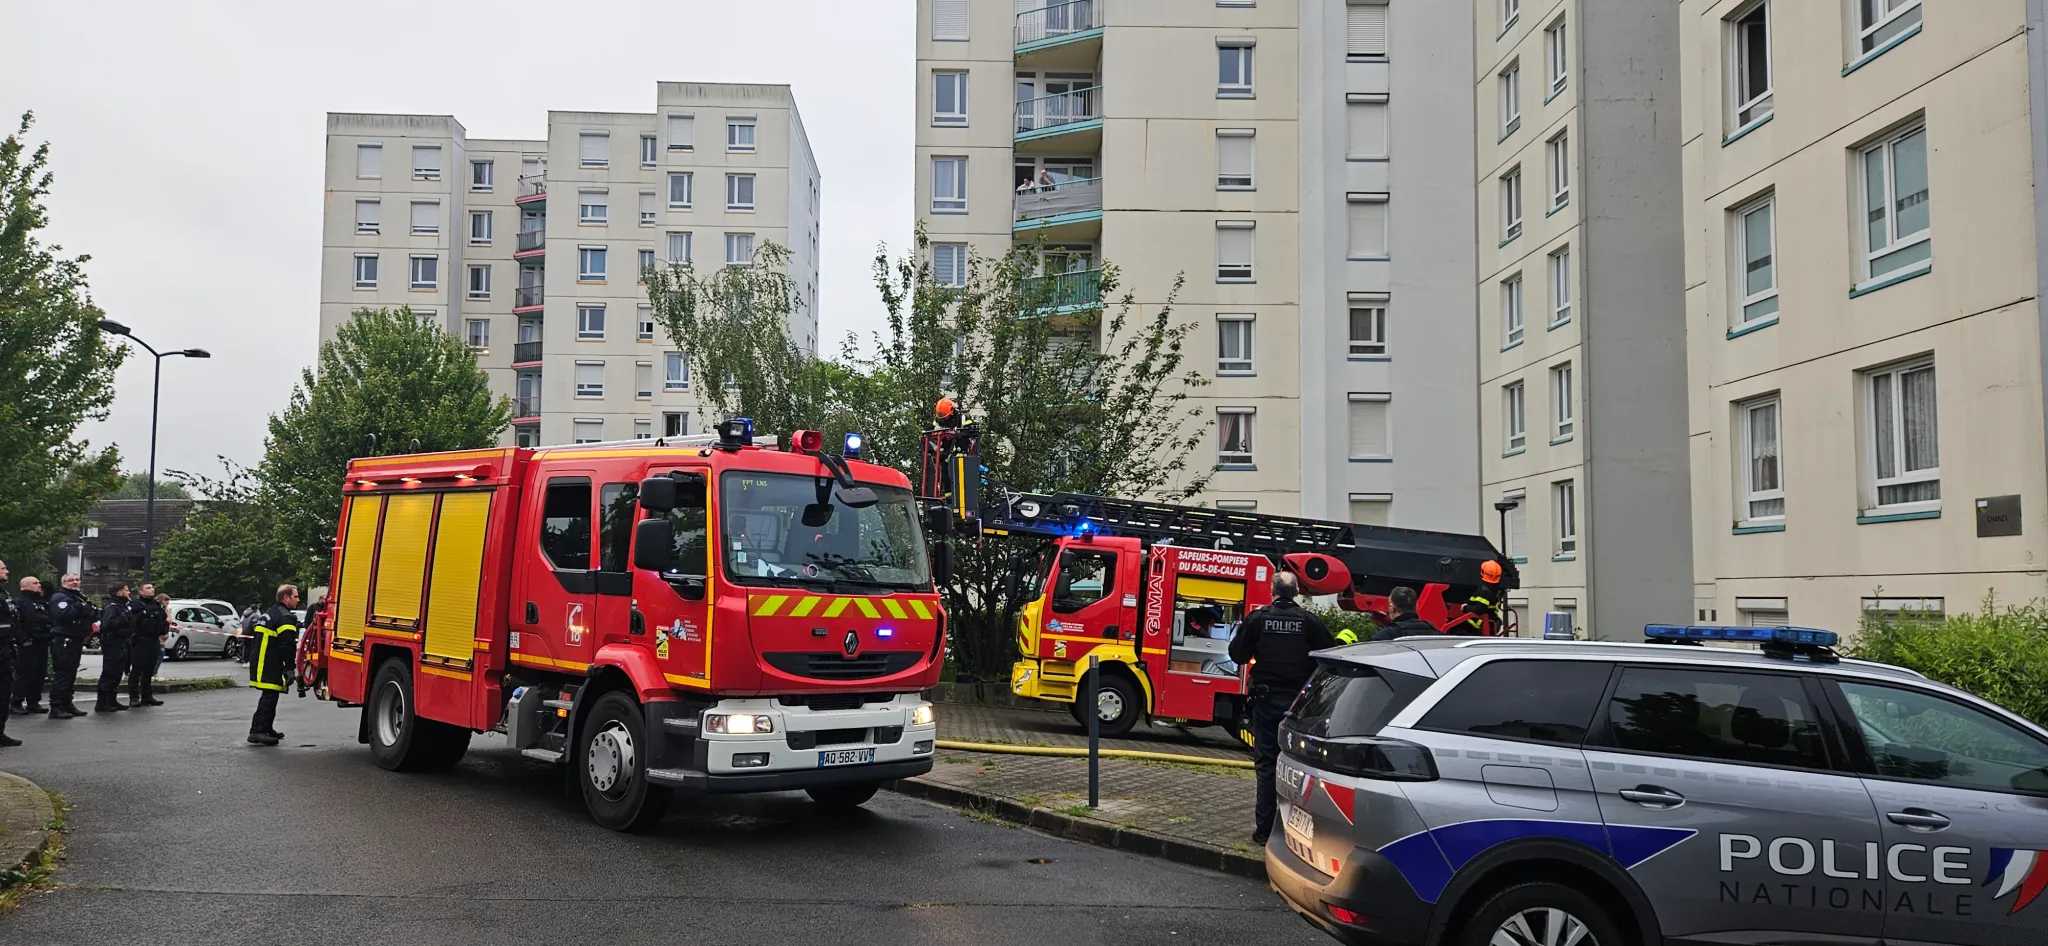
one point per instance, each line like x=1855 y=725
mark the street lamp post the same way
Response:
x=155 y=391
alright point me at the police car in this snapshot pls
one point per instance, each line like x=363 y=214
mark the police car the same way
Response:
x=1499 y=792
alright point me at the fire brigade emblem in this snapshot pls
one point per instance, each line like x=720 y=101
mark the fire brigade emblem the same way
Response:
x=661 y=642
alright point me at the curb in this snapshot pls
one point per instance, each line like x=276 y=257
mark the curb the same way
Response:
x=88 y=684
x=1088 y=830
x=32 y=826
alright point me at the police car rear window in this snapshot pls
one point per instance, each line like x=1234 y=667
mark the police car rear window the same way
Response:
x=1538 y=700
x=1347 y=699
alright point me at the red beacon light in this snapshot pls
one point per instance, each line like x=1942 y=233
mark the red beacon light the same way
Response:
x=808 y=441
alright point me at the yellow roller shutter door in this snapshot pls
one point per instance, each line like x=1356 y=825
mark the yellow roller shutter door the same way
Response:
x=458 y=573
x=358 y=556
x=402 y=560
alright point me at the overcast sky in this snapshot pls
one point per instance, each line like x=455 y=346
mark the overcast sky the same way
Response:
x=187 y=144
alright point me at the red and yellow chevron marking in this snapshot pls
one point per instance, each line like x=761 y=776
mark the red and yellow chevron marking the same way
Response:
x=801 y=605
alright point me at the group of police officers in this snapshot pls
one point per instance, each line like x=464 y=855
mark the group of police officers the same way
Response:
x=42 y=631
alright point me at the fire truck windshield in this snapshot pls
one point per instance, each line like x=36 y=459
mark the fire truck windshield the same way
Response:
x=765 y=539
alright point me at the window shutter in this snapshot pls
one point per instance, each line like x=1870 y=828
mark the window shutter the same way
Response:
x=1368 y=428
x=1369 y=513
x=1368 y=220
x=682 y=131
x=424 y=214
x=1518 y=529
x=1365 y=30
x=426 y=159
x=1368 y=129
x=591 y=149
x=646 y=203
x=587 y=374
x=366 y=214
x=1234 y=246
x=643 y=379
x=369 y=160
x=1234 y=156
x=949 y=20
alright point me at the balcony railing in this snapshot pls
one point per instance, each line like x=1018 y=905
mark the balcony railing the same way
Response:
x=1059 y=19
x=533 y=185
x=1060 y=197
x=1059 y=108
x=1066 y=292
x=532 y=239
x=526 y=296
x=527 y=406
x=525 y=353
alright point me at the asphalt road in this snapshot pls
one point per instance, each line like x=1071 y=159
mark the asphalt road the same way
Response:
x=183 y=833
x=191 y=668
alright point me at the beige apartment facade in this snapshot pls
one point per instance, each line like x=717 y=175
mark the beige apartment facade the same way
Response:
x=1864 y=307
x=531 y=250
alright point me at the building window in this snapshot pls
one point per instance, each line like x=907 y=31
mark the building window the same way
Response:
x=1560 y=287
x=426 y=217
x=1904 y=435
x=591 y=207
x=590 y=264
x=1365 y=30
x=739 y=192
x=682 y=132
x=483 y=175
x=1368 y=330
x=678 y=248
x=739 y=135
x=643 y=429
x=646 y=263
x=1749 y=53
x=675 y=372
x=1234 y=159
x=1564 y=502
x=1517 y=546
x=1365 y=226
x=643 y=379
x=1763 y=484
x=647 y=210
x=1368 y=129
x=1233 y=71
x=949 y=185
x=1233 y=344
x=1511 y=204
x=650 y=151
x=366 y=270
x=1895 y=204
x=1510 y=11
x=590 y=379
x=1370 y=509
x=949 y=21
x=1554 y=47
x=675 y=424
x=1561 y=406
x=426 y=162
x=1880 y=21
x=480 y=282
x=426 y=272
x=1234 y=436
x=1511 y=316
x=526 y=436
x=949 y=264
x=369 y=161
x=593 y=149
x=1756 y=245
x=1511 y=98
x=1559 y=159
x=369 y=215
x=949 y=98
x=643 y=319
x=1234 y=245
x=587 y=431
x=681 y=186
x=590 y=322
x=480 y=227
x=1515 y=415
x=478 y=333
x=739 y=249
x=1370 y=439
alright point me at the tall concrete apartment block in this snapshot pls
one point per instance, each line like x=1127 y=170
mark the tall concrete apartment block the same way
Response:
x=532 y=250
x=1305 y=164
x=1580 y=289
x=1866 y=192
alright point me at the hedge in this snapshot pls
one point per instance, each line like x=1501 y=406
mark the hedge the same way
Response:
x=1998 y=653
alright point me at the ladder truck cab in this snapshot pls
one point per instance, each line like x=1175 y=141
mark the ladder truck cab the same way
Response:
x=701 y=613
x=1154 y=591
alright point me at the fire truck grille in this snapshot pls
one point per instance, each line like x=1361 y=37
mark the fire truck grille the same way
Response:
x=834 y=666
x=835 y=701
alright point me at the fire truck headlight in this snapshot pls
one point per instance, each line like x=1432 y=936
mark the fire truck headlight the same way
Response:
x=921 y=715
x=738 y=725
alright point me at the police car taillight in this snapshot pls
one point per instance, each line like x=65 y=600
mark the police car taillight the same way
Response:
x=1372 y=757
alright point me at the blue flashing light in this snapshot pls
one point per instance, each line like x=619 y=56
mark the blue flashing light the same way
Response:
x=885 y=632
x=853 y=442
x=1795 y=636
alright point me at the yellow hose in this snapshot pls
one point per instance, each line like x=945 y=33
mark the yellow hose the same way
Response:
x=1083 y=753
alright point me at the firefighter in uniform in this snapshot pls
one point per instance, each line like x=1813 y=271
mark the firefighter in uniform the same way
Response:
x=10 y=636
x=1279 y=638
x=32 y=657
x=71 y=620
x=274 y=648
x=1482 y=610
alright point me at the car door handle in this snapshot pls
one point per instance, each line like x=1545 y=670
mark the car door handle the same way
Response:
x=1651 y=796
x=1918 y=819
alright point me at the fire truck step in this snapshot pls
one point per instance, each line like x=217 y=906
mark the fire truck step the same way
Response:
x=542 y=755
x=558 y=704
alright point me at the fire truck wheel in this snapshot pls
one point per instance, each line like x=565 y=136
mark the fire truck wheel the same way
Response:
x=611 y=766
x=843 y=797
x=401 y=741
x=1118 y=701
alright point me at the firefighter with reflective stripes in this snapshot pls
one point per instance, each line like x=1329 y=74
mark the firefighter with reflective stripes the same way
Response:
x=1482 y=610
x=273 y=650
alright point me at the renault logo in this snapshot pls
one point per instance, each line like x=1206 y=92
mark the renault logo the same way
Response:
x=851 y=645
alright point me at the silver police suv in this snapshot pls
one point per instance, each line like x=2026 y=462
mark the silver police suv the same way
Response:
x=1499 y=792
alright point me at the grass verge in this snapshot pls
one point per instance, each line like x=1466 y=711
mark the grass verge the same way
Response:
x=17 y=883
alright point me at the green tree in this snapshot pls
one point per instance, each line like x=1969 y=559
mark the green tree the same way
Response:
x=58 y=369
x=230 y=548
x=136 y=486
x=388 y=382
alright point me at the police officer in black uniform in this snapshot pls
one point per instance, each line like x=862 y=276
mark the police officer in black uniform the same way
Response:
x=117 y=628
x=10 y=634
x=151 y=624
x=71 y=618
x=270 y=664
x=32 y=656
x=1279 y=637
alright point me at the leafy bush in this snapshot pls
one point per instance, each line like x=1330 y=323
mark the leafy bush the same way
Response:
x=1336 y=620
x=1998 y=653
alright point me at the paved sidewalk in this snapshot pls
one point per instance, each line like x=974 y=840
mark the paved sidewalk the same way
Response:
x=25 y=818
x=970 y=722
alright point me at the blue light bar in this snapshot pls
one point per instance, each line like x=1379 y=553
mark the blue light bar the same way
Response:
x=853 y=445
x=1800 y=636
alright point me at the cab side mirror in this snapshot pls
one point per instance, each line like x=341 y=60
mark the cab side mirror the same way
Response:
x=653 y=542
x=942 y=563
x=658 y=494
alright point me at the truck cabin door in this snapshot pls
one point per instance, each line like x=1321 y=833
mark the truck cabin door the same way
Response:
x=674 y=602
x=555 y=607
x=1094 y=600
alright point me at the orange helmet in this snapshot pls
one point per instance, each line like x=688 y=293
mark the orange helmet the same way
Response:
x=945 y=407
x=1489 y=570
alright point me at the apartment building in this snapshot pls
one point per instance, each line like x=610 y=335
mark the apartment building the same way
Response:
x=1864 y=201
x=531 y=250
x=1579 y=287
x=1305 y=165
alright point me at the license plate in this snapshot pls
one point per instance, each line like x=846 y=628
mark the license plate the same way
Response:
x=1299 y=822
x=831 y=757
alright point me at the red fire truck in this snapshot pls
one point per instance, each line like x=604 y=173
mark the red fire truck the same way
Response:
x=704 y=613
x=1121 y=579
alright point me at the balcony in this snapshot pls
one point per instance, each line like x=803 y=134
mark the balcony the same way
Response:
x=1068 y=122
x=1061 y=35
x=1065 y=293
x=527 y=298
x=531 y=243
x=1065 y=211
x=525 y=353
x=526 y=409
x=533 y=189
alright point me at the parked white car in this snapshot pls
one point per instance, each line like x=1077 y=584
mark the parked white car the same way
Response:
x=230 y=618
x=197 y=631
